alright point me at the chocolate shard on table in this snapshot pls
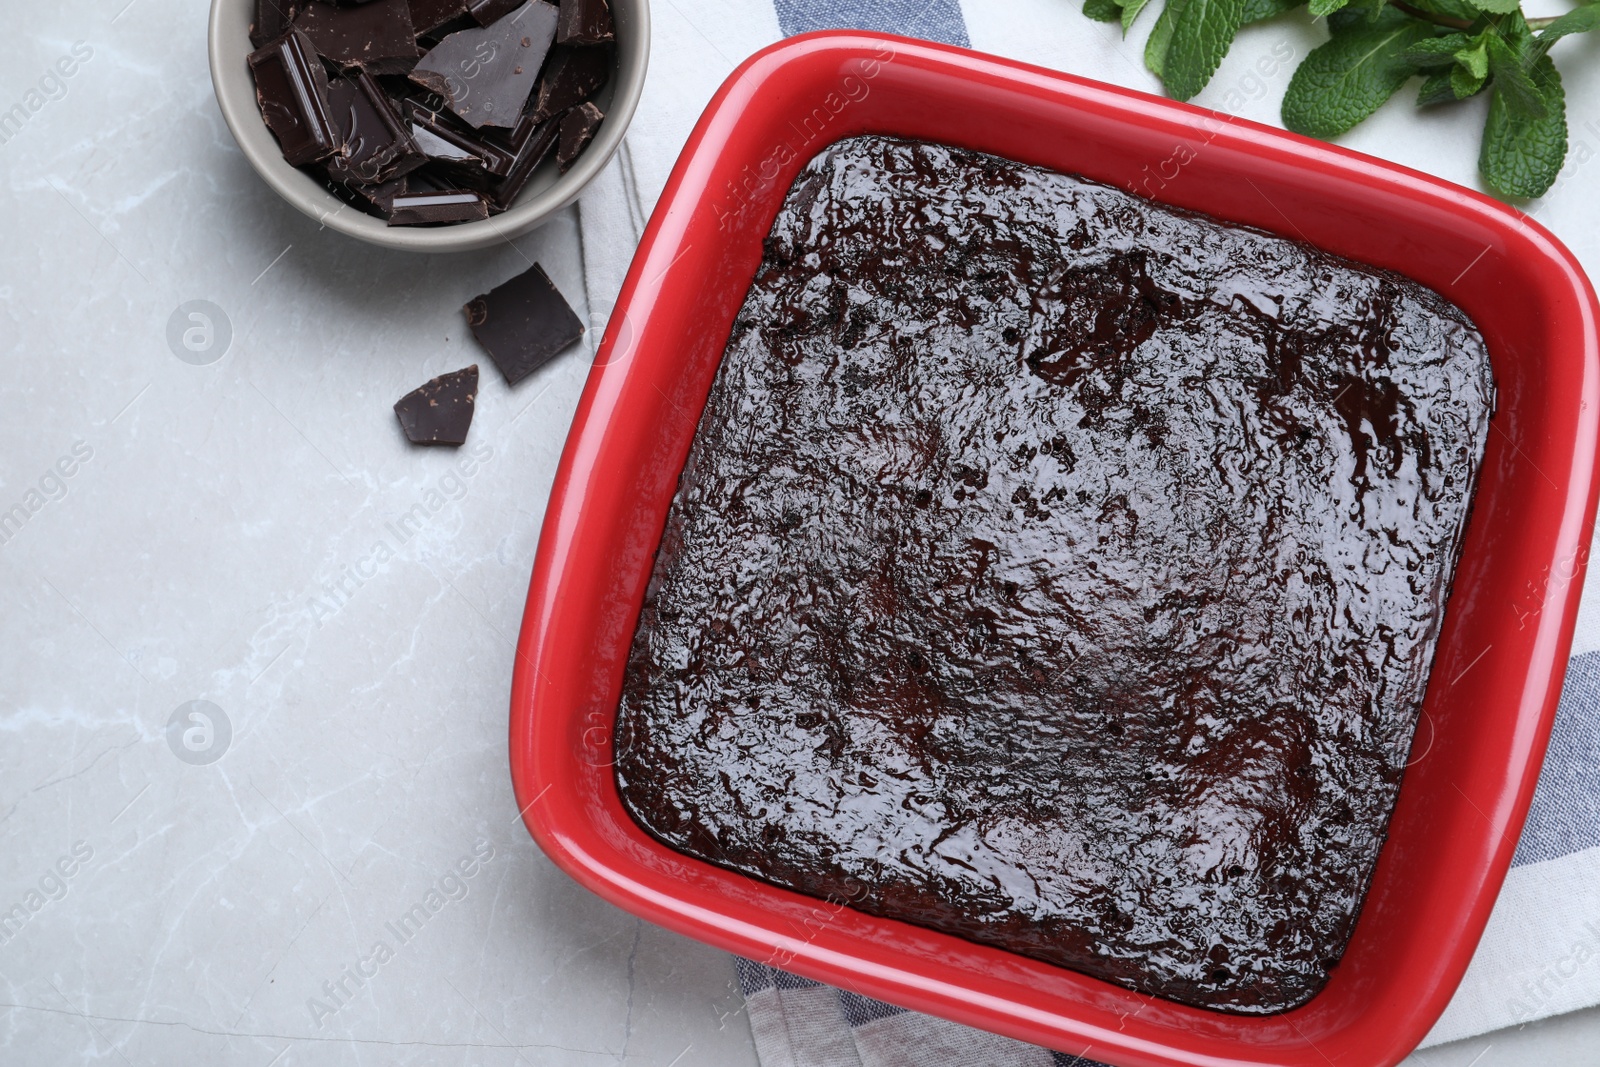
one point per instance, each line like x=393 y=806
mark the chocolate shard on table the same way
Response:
x=486 y=74
x=570 y=77
x=523 y=323
x=426 y=207
x=529 y=156
x=451 y=143
x=378 y=37
x=429 y=15
x=440 y=411
x=577 y=129
x=375 y=145
x=488 y=12
x=584 y=22
x=273 y=18
x=292 y=92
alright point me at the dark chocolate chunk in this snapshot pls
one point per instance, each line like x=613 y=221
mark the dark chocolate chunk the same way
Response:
x=273 y=19
x=584 y=22
x=518 y=135
x=450 y=166
x=429 y=15
x=523 y=323
x=440 y=412
x=292 y=91
x=440 y=150
x=486 y=74
x=529 y=156
x=494 y=158
x=377 y=37
x=375 y=144
x=570 y=77
x=429 y=206
x=488 y=12
x=378 y=197
x=577 y=128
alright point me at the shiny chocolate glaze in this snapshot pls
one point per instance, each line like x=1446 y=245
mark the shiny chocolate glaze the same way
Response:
x=1059 y=571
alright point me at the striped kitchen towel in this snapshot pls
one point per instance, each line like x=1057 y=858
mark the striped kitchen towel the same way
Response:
x=1541 y=953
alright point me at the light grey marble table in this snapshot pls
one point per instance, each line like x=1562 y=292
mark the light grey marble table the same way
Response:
x=335 y=873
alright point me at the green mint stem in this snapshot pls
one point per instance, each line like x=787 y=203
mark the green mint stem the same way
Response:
x=1454 y=23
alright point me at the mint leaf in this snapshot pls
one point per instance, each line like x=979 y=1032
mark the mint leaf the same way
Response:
x=1454 y=9
x=1259 y=10
x=1499 y=7
x=1102 y=10
x=1522 y=156
x=1130 y=13
x=1155 y=49
x=1578 y=20
x=1202 y=32
x=1513 y=83
x=1437 y=51
x=1464 y=83
x=1475 y=60
x=1436 y=89
x=1318 y=8
x=1348 y=78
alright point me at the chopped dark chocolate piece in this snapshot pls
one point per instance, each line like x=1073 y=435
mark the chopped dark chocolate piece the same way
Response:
x=451 y=166
x=486 y=74
x=518 y=135
x=377 y=37
x=584 y=22
x=488 y=12
x=426 y=207
x=439 y=150
x=292 y=91
x=577 y=128
x=440 y=412
x=494 y=158
x=529 y=156
x=380 y=196
x=429 y=15
x=273 y=18
x=570 y=77
x=375 y=144
x=523 y=323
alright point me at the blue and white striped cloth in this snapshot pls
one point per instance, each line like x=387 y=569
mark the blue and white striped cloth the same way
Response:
x=1541 y=953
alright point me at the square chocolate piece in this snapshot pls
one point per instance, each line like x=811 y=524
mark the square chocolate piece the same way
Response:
x=292 y=92
x=584 y=22
x=377 y=37
x=273 y=17
x=440 y=411
x=523 y=323
x=375 y=145
x=428 y=207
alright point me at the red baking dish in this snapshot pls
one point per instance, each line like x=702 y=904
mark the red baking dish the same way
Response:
x=1507 y=627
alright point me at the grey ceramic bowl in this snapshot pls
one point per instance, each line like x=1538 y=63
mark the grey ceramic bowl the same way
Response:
x=547 y=193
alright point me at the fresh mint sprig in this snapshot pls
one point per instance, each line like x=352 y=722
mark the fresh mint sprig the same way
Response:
x=1460 y=48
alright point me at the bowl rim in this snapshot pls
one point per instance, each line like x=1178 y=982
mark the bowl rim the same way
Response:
x=260 y=148
x=595 y=550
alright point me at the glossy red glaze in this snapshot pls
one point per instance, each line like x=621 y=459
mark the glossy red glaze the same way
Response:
x=1507 y=628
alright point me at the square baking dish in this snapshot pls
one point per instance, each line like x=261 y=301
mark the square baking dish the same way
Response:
x=1507 y=627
